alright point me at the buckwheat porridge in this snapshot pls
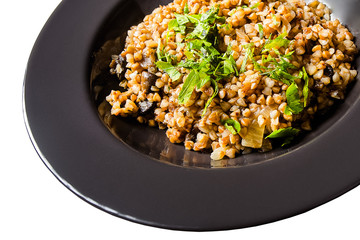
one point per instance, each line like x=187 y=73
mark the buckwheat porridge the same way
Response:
x=231 y=75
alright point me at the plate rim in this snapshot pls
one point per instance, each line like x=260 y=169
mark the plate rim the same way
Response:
x=32 y=123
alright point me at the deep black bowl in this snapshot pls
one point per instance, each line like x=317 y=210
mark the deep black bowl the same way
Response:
x=122 y=171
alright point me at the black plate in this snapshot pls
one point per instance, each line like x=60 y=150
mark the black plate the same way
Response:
x=133 y=172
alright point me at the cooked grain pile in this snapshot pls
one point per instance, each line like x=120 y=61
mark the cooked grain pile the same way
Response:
x=230 y=75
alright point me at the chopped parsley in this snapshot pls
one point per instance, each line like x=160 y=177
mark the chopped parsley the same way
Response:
x=181 y=19
x=206 y=63
x=186 y=8
x=174 y=25
x=273 y=16
x=288 y=134
x=249 y=54
x=216 y=91
x=294 y=105
x=306 y=87
x=261 y=30
x=278 y=68
x=278 y=42
x=232 y=125
x=256 y=5
x=190 y=83
x=174 y=74
x=202 y=55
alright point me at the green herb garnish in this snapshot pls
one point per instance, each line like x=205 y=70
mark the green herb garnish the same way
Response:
x=202 y=56
x=293 y=98
x=232 y=11
x=174 y=74
x=284 y=132
x=280 y=73
x=173 y=24
x=216 y=91
x=273 y=16
x=232 y=125
x=278 y=42
x=248 y=55
x=204 y=78
x=186 y=8
x=226 y=65
x=261 y=30
x=181 y=19
x=287 y=133
x=294 y=105
x=255 y=5
x=189 y=85
x=278 y=68
x=306 y=86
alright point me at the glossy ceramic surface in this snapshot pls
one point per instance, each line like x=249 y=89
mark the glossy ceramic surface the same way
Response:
x=133 y=172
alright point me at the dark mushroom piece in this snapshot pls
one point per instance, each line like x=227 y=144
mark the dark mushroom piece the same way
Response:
x=309 y=46
x=145 y=107
x=147 y=80
x=329 y=71
x=118 y=66
x=191 y=136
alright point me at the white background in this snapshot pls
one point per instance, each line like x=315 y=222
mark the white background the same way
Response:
x=34 y=205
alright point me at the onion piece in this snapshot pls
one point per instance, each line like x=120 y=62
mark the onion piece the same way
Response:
x=254 y=137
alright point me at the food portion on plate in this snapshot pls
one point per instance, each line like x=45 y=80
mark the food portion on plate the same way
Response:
x=229 y=76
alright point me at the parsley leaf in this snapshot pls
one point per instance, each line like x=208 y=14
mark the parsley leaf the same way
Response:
x=284 y=132
x=204 y=78
x=211 y=15
x=186 y=8
x=201 y=31
x=194 y=18
x=248 y=54
x=174 y=74
x=306 y=87
x=281 y=75
x=255 y=5
x=181 y=19
x=261 y=30
x=160 y=52
x=189 y=85
x=226 y=66
x=287 y=133
x=278 y=42
x=293 y=100
x=280 y=65
x=216 y=91
x=173 y=24
x=201 y=54
x=232 y=125
x=273 y=16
